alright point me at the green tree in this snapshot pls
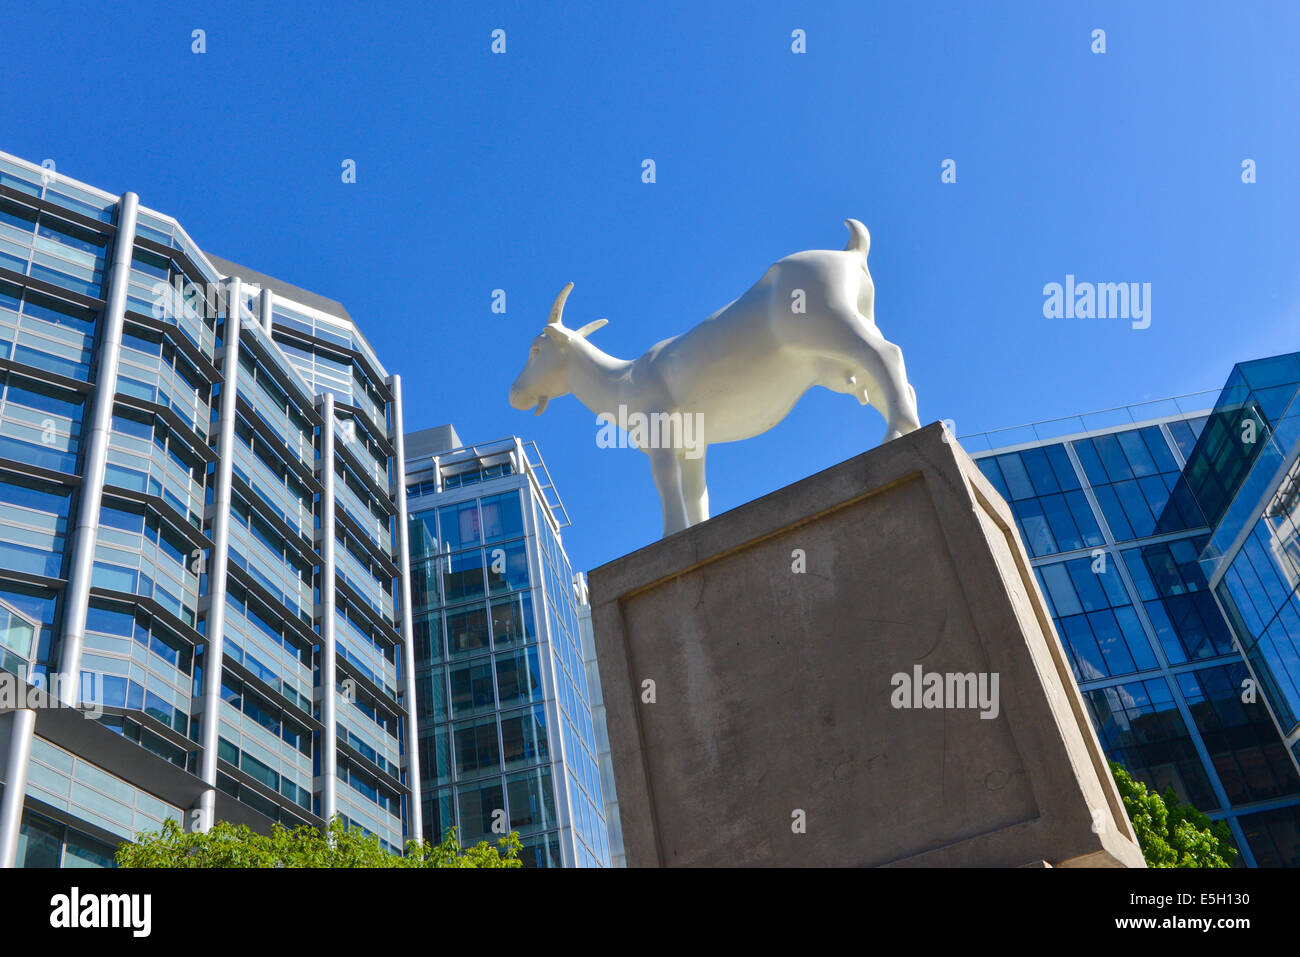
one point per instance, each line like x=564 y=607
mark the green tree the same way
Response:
x=1170 y=833
x=229 y=845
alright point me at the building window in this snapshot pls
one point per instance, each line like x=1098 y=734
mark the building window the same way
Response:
x=1140 y=727
x=1135 y=479
x=1274 y=837
x=1250 y=759
x=1044 y=493
x=33 y=525
x=1173 y=590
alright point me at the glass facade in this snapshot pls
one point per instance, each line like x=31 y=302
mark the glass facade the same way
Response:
x=1115 y=523
x=1244 y=472
x=506 y=734
x=214 y=490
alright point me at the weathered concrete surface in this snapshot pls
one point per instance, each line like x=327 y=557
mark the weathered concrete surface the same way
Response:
x=772 y=688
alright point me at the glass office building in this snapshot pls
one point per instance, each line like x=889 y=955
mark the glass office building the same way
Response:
x=1116 y=534
x=202 y=540
x=503 y=689
x=1244 y=473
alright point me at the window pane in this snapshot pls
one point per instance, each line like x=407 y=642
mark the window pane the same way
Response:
x=40 y=842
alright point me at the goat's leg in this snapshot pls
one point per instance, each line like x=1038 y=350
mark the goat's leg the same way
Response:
x=899 y=398
x=668 y=480
x=695 y=494
x=880 y=373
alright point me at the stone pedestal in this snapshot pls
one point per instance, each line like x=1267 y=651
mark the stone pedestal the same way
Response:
x=856 y=670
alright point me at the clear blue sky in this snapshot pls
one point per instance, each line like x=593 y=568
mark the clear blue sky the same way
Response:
x=522 y=172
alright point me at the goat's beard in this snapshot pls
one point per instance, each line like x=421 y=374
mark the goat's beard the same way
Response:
x=541 y=404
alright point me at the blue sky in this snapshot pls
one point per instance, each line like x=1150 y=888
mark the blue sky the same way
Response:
x=523 y=171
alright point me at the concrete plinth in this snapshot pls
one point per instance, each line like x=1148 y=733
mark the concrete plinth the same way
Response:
x=754 y=670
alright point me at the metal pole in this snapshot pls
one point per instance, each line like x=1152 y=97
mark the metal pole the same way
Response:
x=11 y=804
x=214 y=655
x=77 y=594
x=329 y=661
x=416 y=814
x=265 y=307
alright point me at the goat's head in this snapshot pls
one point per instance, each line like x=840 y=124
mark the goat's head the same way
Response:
x=545 y=374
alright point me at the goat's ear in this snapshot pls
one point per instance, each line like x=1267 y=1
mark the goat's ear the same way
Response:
x=590 y=327
x=558 y=333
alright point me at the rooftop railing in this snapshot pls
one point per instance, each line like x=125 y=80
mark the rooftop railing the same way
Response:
x=1122 y=416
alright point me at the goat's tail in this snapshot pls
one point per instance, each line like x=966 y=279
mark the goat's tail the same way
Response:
x=859 y=238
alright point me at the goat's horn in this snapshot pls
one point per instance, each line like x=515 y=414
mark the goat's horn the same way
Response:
x=557 y=310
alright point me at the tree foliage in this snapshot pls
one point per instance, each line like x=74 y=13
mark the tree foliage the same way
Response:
x=230 y=845
x=1170 y=833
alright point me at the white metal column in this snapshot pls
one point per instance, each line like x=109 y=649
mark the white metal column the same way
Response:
x=22 y=726
x=265 y=310
x=328 y=659
x=416 y=813
x=76 y=597
x=214 y=655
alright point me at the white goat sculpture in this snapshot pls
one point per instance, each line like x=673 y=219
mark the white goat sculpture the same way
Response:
x=809 y=321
